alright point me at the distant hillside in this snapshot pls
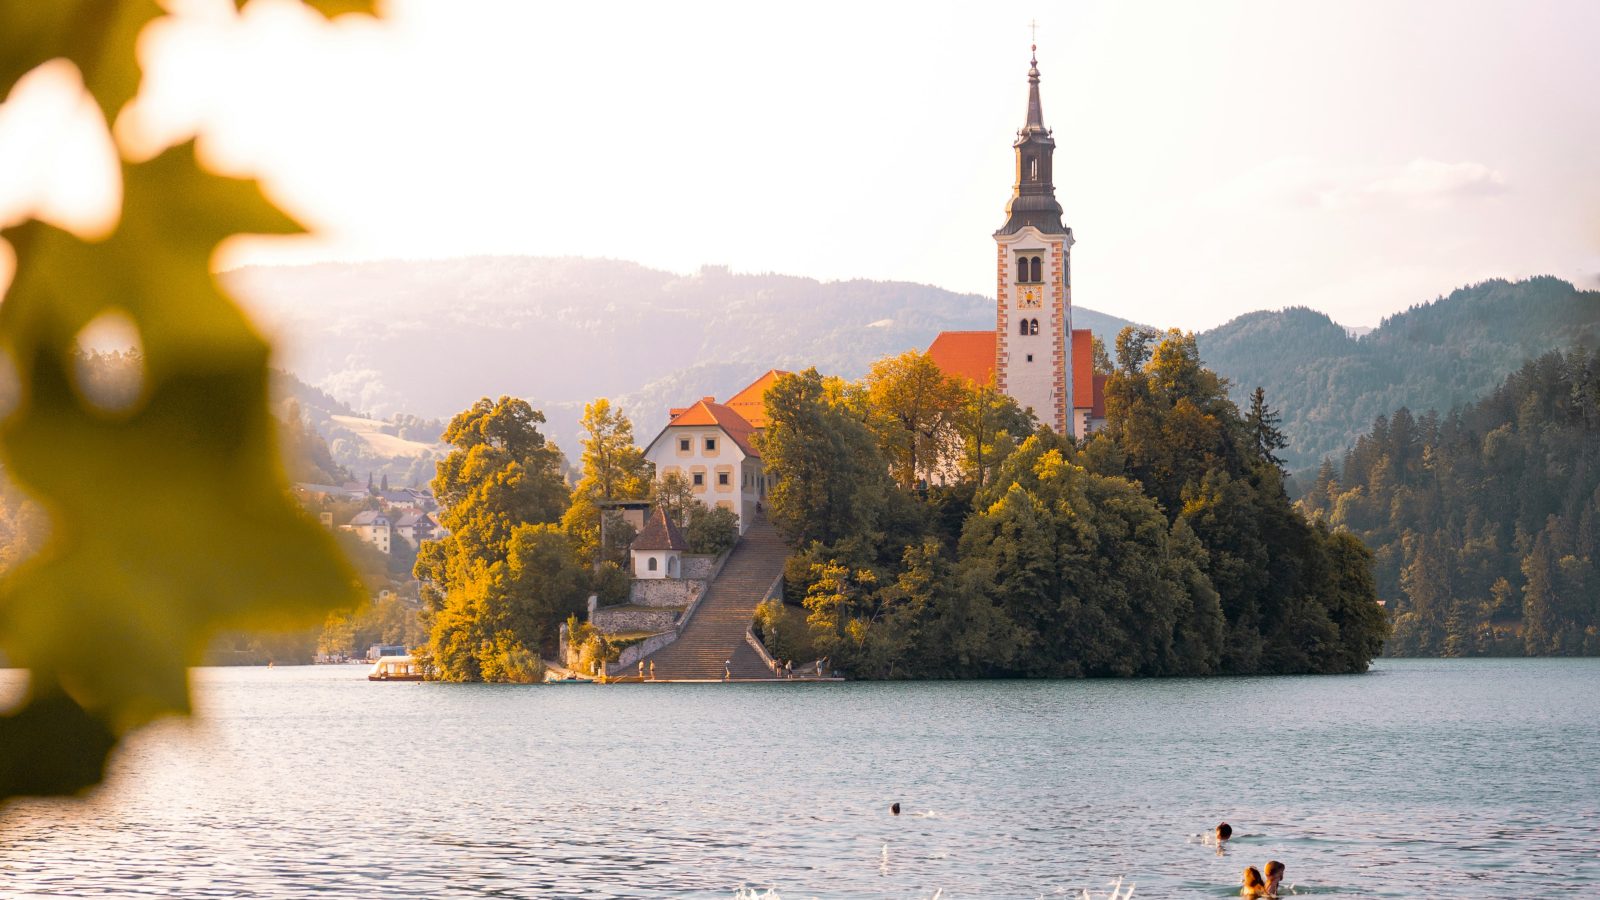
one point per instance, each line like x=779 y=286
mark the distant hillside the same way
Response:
x=403 y=447
x=431 y=337
x=1331 y=386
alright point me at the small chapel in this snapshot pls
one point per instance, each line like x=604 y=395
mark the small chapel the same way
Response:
x=1033 y=354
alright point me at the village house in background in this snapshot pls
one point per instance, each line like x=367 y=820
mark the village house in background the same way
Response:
x=373 y=527
x=1033 y=355
x=710 y=445
x=407 y=514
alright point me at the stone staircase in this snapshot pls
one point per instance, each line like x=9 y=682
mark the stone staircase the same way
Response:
x=716 y=630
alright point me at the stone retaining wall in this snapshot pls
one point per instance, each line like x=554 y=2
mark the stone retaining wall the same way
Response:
x=673 y=592
x=626 y=619
x=699 y=567
x=631 y=655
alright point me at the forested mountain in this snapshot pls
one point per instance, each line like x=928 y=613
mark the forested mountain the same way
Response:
x=1330 y=386
x=427 y=338
x=1484 y=522
x=430 y=337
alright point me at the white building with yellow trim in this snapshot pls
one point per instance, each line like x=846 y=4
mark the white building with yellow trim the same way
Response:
x=712 y=446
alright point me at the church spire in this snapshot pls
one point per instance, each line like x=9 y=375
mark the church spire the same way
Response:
x=1035 y=109
x=1033 y=196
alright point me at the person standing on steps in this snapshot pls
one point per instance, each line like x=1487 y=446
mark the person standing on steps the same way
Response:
x=652 y=670
x=727 y=669
x=641 y=670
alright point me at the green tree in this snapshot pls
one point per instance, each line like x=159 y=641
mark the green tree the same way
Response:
x=1092 y=575
x=711 y=529
x=832 y=481
x=838 y=604
x=1262 y=424
x=1102 y=359
x=1171 y=426
x=503 y=575
x=1482 y=521
x=675 y=495
x=990 y=425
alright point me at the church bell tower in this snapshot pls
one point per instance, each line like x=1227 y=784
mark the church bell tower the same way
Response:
x=1033 y=299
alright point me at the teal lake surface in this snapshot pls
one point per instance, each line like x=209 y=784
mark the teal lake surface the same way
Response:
x=1466 y=778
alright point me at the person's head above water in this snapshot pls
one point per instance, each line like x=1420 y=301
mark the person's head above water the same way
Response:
x=1224 y=831
x=1273 y=873
x=1253 y=885
x=894 y=809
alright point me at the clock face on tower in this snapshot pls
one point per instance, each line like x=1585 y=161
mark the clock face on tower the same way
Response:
x=1030 y=297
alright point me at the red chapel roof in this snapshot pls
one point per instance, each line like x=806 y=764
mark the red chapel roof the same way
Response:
x=968 y=354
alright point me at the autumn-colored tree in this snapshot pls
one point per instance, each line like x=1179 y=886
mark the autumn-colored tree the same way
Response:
x=912 y=407
x=504 y=573
x=613 y=469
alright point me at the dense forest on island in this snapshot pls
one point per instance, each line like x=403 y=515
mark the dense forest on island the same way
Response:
x=1485 y=521
x=939 y=533
x=1437 y=355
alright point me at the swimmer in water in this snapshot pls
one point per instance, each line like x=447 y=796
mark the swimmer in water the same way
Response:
x=894 y=809
x=1220 y=836
x=1273 y=875
x=1254 y=886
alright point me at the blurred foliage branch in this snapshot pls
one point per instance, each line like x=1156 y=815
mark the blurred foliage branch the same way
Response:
x=139 y=569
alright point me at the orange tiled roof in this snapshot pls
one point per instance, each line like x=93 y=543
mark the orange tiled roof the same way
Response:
x=751 y=403
x=1082 y=368
x=968 y=354
x=707 y=412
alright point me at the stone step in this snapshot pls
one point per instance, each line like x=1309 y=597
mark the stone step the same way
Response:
x=716 y=632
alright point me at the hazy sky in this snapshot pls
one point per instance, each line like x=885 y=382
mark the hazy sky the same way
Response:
x=1212 y=158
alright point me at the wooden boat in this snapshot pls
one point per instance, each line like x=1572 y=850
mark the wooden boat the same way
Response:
x=395 y=668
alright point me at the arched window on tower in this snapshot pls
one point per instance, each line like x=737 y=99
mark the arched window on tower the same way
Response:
x=1022 y=268
x=1033 y=326
x=1023 y=328
x=1037 y=270
x=1033 y=169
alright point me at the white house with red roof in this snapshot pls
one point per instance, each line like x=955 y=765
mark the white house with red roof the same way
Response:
x=712 y=446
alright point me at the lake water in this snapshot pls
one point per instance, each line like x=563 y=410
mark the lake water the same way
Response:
x=1423 y=778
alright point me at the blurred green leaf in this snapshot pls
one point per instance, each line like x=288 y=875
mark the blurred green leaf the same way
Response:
x=140 y=571
x=96 y=35
x=331 y=8
x=52 y=746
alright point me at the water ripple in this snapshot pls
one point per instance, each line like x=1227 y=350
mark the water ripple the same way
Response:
x=1445 y=779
